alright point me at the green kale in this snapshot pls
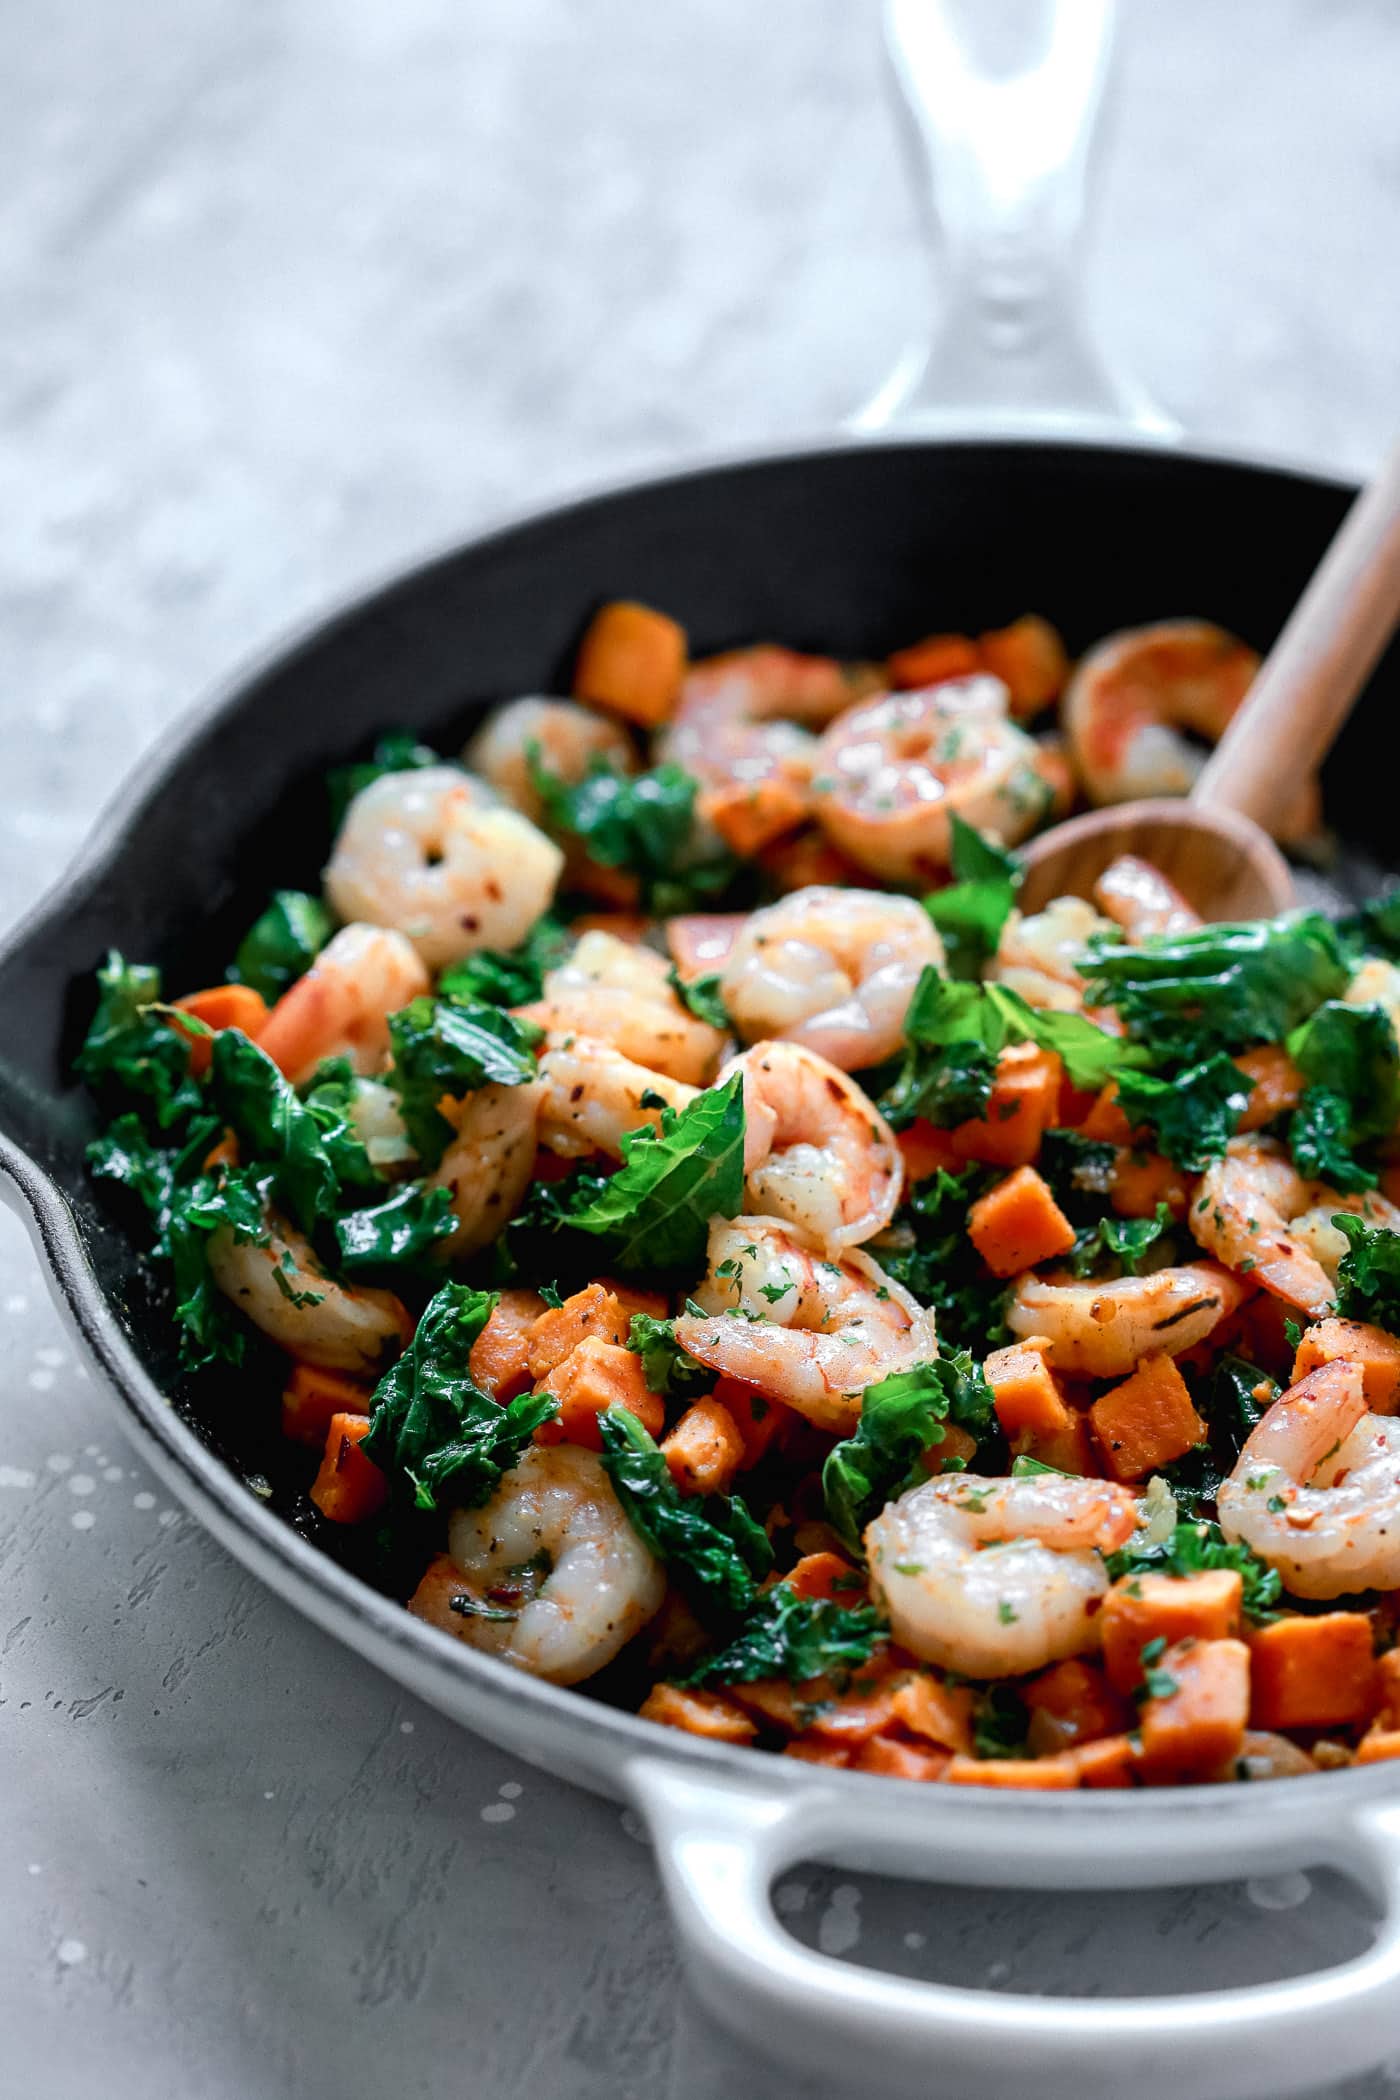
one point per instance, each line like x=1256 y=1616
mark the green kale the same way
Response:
x=643 y=822
x=329 y=1099
x=798 y=1638
x=398 y=751
x=273 y=1127
x=711 y=1544
x=901 y=1419
x=1123 y=1242
x=654 y=1212
x=1368 y=1277
x=1373 y=930
x=971 y=912
x=1350 y=1056
x=1219 y=987
x=1079 y=1170
x=282 y=945
x=431 y=1425
x=670 y=1371
x=131 y=1049
x=403 y=1233
x=1000 y=1724
x=928 y=1251
x=1194 y=1114
x=514 y=978
x=444 y=1047
x=1195 y=1547
x=1320 y=1139
x=701 y=997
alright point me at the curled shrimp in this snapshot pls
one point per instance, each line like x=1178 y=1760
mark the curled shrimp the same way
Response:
x=1141 y=899
x=549 y=1574
x=1039 y=956
x=832 y=969
x=1142 y=704
x=568 y=738
x=747 y=716
x=1316 y=1489
x=892 y=771
x=591 y=1096
x=434 y=854
x=283 y=1289
x=812 y=1332
x=817 y=1151
x=620 y=993
x=1256 y=1213
x=1103 y=1330
x=341 y=1006
x=995 y=1578
x=487 y=1167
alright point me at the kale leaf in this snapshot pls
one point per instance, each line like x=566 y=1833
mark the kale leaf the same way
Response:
x=1350 y=1056
x=445 y=1047
x=432 y=1426
x=701 y=997
x=1218 y=987
x=515 y=977
x=1320 y=1138
x=784 y=1634
x=971 y=912
x=131 y=1049
x=1194 y=1114
x=928 y=1251
x=1195 y=1547
x=282 y=945
x=1122 y=1241
x=1368 y=1276
x=403 y=1232
x=273 y=1127
x=654 y=1212
x=711 y=1544
x=643 y=822
x=1374 y=929
x=670 y=1371
x=901 y=1418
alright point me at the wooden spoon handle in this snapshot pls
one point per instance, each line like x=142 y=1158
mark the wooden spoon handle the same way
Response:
x=1316 y=669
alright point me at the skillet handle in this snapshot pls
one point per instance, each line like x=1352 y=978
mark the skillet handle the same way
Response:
x=721 y=1845
x=1002 y=164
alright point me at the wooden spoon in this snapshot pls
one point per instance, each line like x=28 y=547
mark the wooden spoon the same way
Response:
x=1211 y=845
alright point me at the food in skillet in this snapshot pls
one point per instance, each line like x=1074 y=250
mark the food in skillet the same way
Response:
x=733 y=1256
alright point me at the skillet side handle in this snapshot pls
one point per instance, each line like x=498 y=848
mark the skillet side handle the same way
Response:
x=721 y=1846
x=1001 y=163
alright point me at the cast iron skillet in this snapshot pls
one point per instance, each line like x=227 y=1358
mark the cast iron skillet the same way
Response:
x=849 y=550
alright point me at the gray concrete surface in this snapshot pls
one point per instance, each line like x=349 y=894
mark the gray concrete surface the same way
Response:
x=288 y=293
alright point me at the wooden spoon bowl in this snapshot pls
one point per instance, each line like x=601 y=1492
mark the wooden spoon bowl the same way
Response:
x=1223 y=864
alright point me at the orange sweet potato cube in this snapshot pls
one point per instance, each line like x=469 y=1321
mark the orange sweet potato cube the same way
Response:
x=632 y=660
x=936 y=1712
x=707 y=1714
x=1195 y=1728
x=1025 y=1392
x=1025 y=1101
x=1029 y=658
x=749 y=815
x=592 y=1312
x=349 y=1488
x=705 y=1449
x=1018 y=1224
x=313 y=1396
x=1313 y=1672
x=1170 y=1608
x=1147 y=1421
x=593 y=1376
x=1073 y=1702
x=1376 y=1352
x=500 y=1355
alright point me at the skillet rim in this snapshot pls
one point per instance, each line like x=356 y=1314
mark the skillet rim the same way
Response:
x=229 y=1509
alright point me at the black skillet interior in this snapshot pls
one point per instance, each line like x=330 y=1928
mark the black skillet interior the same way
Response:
x=850 y=552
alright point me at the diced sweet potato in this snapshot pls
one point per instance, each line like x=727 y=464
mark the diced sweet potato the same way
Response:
x=1142 y=1180
x=1022 y=1775
x=704 y=1450
x=313 y=1397
x=936 y=658
x=1109 y=1761
x=1378 y=1745
x=864 y=1709
x=1171 y=1608
x=749 y=815
x=1376 y=1352
x=1278 y=1085
x=635 y=1298
x=924 y=1149
x=500 y=1355
x=758 y=1420
x=349 y=1488
x=1147 y=1421
x=221 y=1006
x=1070 y=1703
x=593 y=1311
x=935 y=1712
x=957 y=1447
x=1018 y=1224
x=1196 y=1727
x=593 y=1376
x=1071 y=1449
x=1388 y=1687
x=813 y=1750
x=632 y=660
x=1029 y=658
x=1025 y=1392
x=894 y=1758
x=826 y=1575
x=707 y=1714
x=1025 y=1101
x=1106 y=1120
x=1313 y=1672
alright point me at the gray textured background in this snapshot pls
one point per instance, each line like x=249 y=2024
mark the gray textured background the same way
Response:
x=290 y=293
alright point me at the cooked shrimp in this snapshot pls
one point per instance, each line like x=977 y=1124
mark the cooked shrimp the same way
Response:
x=1376 y=983
x=592 y=1096
x=1040 y=956
x=1316 y=1489
x=1138 y=699
x=285 y=1292
x=817 y=1152
x=341 y=1007
x=995 y=1578
x=1102 y=1330
x=435 y=855
x=548 y=1575
x=834 y=969
x=812 y=1332
x=1140 y=899
x=1255 y=1212
x=890 y=773
x=621 y=993
x=747 y=716
x=568 y=738
x=487 y=1167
